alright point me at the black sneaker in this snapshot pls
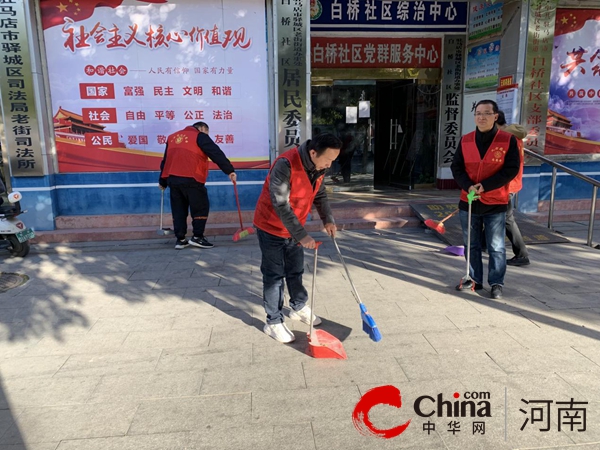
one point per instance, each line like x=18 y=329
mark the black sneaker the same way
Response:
x=514 y=261
x=469 y=285
x=496 y=291
x=181 y=243
x=201 y=242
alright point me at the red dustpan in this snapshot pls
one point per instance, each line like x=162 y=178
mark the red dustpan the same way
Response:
x=321 y=344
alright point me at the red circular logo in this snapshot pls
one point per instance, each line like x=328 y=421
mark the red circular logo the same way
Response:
x=101 y=70
x=581 y=93
x=90 y=70
x=382 y=395
x=122 y=70
x=111 y=70
x=591 y=93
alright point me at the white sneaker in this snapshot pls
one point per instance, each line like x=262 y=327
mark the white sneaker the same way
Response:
x=280 y=332
x=304 y=315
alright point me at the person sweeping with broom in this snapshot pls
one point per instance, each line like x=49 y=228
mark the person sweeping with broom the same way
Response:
x=184 y=168
x=293 y=185
x=485 y=162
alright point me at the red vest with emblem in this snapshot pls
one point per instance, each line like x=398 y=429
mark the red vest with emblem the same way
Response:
x=480 y=169
x=302 y=195
x=516 y=183
x=184 y=157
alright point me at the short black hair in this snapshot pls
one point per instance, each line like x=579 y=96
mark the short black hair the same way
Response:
x=201 y=125
x=488 y=102
x=501 y=118
x=323 y=141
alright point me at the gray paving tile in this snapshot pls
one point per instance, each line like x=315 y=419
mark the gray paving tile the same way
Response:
x=97 y=364
x=449 y=365
x=330 y=372
x=167 y=339
x=543 y=360
x=315 y=404
x=78 y=343
x=51 y=424
x=32 y=366
x=46 y=391
x=191 y=414
x=251 y=378
x=147 y=386
x=157 y=441
x=204 y=358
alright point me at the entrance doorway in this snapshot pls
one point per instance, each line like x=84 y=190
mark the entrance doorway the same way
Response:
x=388 y=130
x=407 y=134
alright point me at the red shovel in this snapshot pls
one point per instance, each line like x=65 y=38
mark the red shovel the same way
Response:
x=439 y=225
x=321 y=344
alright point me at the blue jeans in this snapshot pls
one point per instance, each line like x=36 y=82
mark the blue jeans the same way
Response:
x=281 y=259
x=494 y=226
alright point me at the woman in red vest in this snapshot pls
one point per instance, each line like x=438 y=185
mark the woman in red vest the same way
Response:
x=485 y=161
x=294 y=184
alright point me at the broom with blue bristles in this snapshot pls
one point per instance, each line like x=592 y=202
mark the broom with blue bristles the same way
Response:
x=369 y=325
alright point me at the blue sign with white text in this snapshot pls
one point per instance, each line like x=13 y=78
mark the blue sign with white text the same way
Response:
x=388 y=15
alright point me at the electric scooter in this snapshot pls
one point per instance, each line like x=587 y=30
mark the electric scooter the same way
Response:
x=14 y=235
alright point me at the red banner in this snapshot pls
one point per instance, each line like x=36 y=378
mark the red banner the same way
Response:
x=102 y=140
x=338 y=52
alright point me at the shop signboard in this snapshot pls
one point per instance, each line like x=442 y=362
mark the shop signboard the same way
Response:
x=538 y=62
x=485 y=19
x=573 y=124
x=375 y=52
x=21 y=135
x=125 y=74
x=483 y=61
x=387 y=15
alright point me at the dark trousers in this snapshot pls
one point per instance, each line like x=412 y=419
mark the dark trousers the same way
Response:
x=192 y=198
x=281 y=259
x=512 y=231
x=346 y=165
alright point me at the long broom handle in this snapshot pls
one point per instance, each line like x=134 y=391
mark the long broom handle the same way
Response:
x=237 y=201
x=347 y=271
x=449 y=216
x=162 y=206
x=467 y=276
x=312 y=292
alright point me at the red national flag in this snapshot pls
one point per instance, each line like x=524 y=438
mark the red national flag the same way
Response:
x=55 y=11
x=570 y=20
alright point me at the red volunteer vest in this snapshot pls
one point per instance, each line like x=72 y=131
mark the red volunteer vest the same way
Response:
x=184 y=157
x=516 y=183
x=302 y=195
x=480 y=169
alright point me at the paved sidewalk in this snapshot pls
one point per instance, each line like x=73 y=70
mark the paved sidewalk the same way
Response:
x=134 y=345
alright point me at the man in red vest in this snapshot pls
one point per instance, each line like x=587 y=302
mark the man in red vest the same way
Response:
x=294 y=184
x=485 y=161
x=513 y=233
x=184 y=169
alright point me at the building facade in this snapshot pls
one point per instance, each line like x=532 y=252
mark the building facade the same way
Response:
x=91 y=90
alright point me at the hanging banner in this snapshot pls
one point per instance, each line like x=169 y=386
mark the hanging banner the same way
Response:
x=292 y=38
x=385 y=16
x=485 y=19
x=451 y=99
x=21 y=137
x=573 y=124
x=125 y=74
x=538 y=62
